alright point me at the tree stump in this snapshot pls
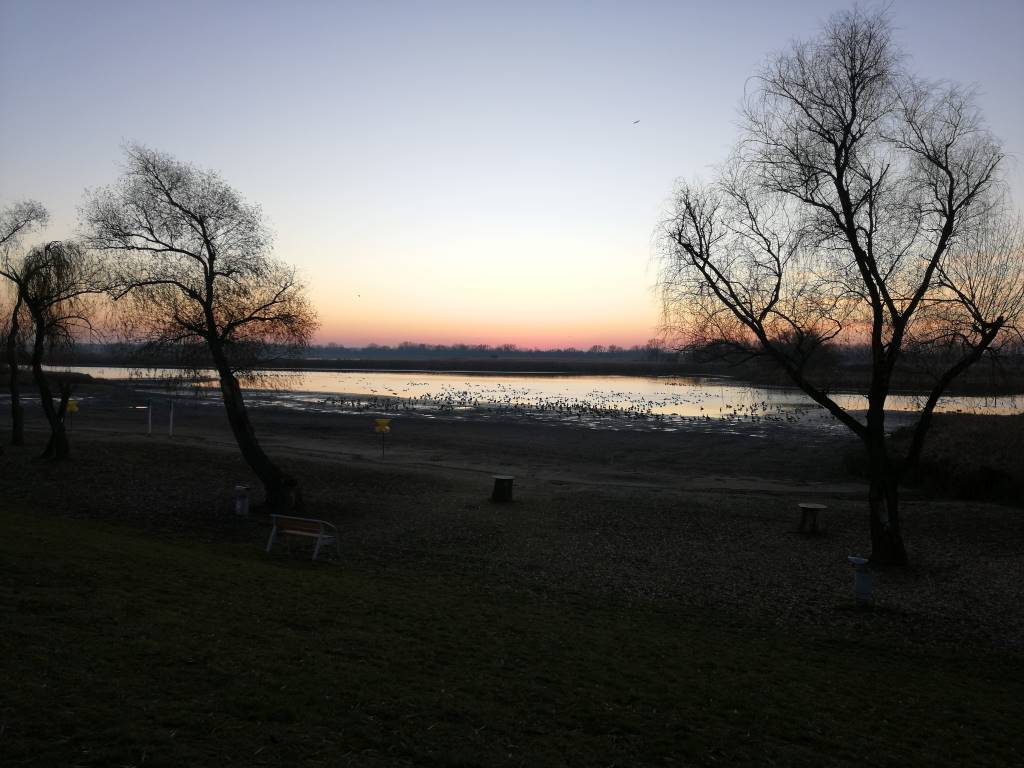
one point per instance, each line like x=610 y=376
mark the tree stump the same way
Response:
x=502 y=488
x=809 y=517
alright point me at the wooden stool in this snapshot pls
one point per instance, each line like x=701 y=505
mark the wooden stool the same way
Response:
x=809 y=517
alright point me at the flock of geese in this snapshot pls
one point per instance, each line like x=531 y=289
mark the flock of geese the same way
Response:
x=598 y=406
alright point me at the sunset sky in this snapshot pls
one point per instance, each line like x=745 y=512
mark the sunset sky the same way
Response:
x=440 y=172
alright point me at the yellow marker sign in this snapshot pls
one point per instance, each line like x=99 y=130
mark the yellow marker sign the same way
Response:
x=72 y=406
x=382 y=429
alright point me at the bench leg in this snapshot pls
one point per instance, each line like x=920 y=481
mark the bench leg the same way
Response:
x=316 y=549
x=270 y=541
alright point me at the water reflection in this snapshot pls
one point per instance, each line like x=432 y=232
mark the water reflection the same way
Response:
x=605 y=401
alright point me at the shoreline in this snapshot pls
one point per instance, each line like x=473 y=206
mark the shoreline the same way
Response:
x=703 y=405
x=846 y=384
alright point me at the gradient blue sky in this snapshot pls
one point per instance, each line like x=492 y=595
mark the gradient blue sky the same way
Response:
x=440 y=172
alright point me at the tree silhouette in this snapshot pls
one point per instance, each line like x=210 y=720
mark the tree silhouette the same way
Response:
x=53 y=282
x=16 y=221
x=861 y=203
x=195 y=266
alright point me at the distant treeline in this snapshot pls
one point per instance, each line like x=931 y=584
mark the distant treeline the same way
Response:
x=125 y=354
x=636 y=360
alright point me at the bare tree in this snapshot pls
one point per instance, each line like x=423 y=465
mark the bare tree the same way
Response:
x=16 y=221
x=196 y=266
x=861 y=203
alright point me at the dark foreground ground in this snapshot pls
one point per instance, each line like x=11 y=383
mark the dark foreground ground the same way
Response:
x=644 y=601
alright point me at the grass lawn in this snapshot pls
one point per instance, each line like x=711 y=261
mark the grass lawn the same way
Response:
x=121 y=648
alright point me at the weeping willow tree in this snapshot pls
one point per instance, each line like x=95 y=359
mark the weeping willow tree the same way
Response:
x=195 y=271
x=54 y=282
x=861 y=203
x=16 y=221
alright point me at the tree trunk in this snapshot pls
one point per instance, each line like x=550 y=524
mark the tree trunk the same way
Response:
x=883 y=494
x=57 y=446
x=17 y=412
x=281 y=490
x=883 y=500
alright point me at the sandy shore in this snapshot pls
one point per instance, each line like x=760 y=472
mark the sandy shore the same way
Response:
x=696 y=519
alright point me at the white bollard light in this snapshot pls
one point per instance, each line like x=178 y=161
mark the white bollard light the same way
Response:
x=863 y=578
x=242 y=500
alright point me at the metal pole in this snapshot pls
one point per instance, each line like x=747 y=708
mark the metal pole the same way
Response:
x=149 y=418
x=170 y=425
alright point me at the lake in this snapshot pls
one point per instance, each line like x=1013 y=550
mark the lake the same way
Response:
x=651 y=402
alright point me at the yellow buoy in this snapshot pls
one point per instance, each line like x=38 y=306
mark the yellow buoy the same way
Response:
x=72 y=406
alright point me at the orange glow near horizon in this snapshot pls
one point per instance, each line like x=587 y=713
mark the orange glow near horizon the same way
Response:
x=528 y=291
x=350 y=327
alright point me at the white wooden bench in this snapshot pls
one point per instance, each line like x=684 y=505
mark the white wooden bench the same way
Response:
x=324 y=533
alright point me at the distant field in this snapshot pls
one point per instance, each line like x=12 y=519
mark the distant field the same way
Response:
x=485 y=364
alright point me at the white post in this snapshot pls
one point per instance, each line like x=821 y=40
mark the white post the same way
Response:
x=149 y=418
x=170 y=424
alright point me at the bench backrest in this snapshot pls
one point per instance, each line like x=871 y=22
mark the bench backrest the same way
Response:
x=285 y=523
